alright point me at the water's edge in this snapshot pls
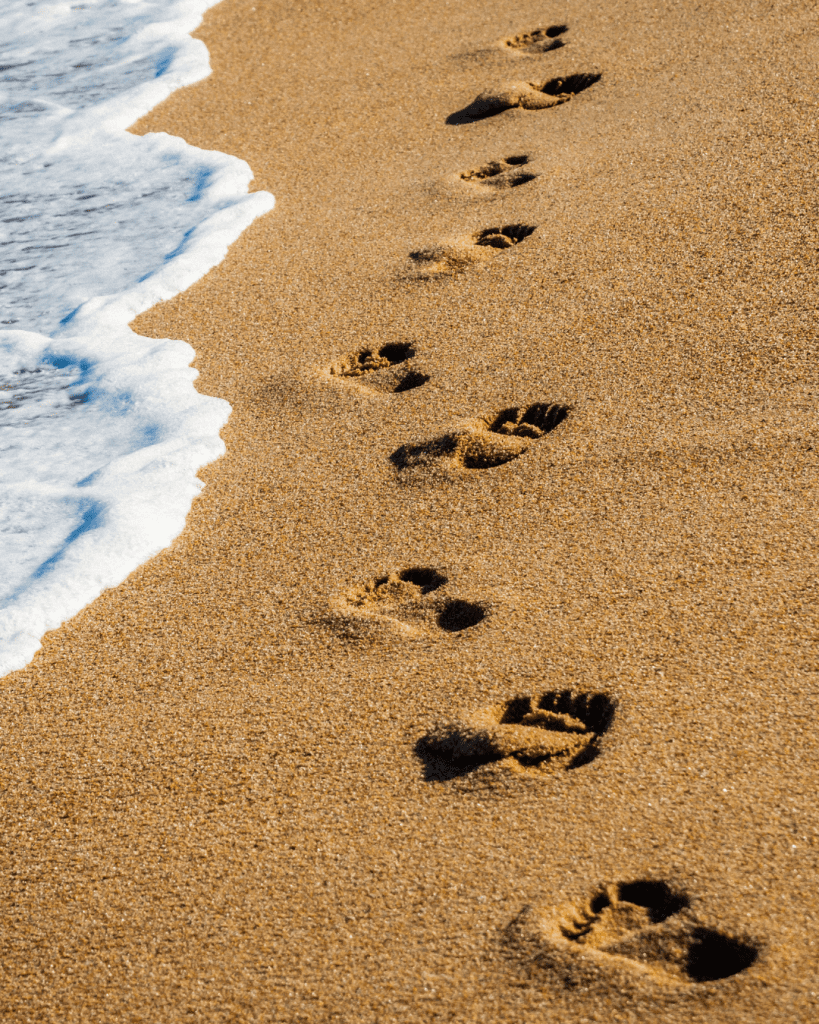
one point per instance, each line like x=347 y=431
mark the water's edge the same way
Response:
x=102 y=431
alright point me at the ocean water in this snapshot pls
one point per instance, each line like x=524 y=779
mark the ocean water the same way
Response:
x=101 y=431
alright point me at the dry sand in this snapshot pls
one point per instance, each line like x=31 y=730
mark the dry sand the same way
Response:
x=239 y=787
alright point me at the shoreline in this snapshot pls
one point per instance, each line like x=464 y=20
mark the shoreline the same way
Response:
x=225 y=792
x=87 y=495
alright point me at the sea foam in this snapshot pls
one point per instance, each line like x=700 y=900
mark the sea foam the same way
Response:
x=101 y=430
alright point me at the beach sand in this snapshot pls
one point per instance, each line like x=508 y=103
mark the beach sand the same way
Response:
x=267 y=778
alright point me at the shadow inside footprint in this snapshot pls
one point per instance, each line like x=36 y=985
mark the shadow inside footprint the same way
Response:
x=657 y=899
x=526 y=95
x=571 y=85
x=426 y=580
x=369 y=360
x=465 y=251
x=539 y=40
x=500 y=174
x=410 y=380
x=490 y=442
x=411 y=601
x=458 y=615
x=459 y=451
x=504 y=237
x=529 y=421
x=559 y=729
x=618 y=911
x=646 y=923
x=382 y=368
x=712 y=956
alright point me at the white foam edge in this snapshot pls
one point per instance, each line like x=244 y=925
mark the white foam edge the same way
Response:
x=145 y=517
x=147 y=494
x=144 y=496
x=206 y=247
x=190 y=64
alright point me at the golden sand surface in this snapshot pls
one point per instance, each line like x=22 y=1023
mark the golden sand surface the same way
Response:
x=482 y=685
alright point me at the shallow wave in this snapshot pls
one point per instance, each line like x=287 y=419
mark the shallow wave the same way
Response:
x=101 y=431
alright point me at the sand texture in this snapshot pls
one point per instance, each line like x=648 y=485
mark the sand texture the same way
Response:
x=482 y=686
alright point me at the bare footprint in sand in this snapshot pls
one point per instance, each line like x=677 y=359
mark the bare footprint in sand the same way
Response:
x=460 y=253
x=530 y=735
x=539 y=40
x=388 y=368
x=500 y=174
x=644 y=929
x=526 y=95
x=410 y=602
x=503 y=237
x=484 y=443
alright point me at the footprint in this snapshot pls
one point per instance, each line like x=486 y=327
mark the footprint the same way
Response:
x=558 y=729
x=459 y=254
x=527 y=95
x=484 y=443
x=539 y=40
x=412 y=602
x=385 y=369
x=500 y=174
x=616 y=911
x=645 y=927
x=503 y=237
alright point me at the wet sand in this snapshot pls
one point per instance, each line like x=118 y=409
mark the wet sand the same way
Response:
x=490 y=696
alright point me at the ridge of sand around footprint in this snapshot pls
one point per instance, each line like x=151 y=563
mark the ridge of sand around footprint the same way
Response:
x=214 y=808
